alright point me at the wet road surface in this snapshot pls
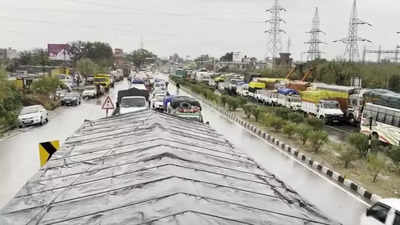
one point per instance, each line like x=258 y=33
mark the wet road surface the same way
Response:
x=19 y=158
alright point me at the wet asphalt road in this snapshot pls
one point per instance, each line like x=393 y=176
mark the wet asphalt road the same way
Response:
x=19 y=158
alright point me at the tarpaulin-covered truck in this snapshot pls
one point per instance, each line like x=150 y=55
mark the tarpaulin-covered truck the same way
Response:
x=264 y=83
x=323 y=105
x=289 y=98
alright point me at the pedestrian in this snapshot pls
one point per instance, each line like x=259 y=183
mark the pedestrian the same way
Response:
x=166 y=84
x=178 y=86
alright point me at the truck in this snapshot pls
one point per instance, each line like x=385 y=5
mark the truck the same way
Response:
x=322 y=105
x=289 y=98
x=103 y=80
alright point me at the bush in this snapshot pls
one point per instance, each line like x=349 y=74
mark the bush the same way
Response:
x=375 y=164
x=394 y=154
x=233 y=103
x=224 y=100
x=46 y=85
x=282 y=113
x=318 y=138
x=275 y=122
x=296 y=117
x=348 y=155
x=289 y=129
x=303 y=132
x=242 y=101
x=248 y=109
x=256 y=112
x=315 y=123
x=360 y=142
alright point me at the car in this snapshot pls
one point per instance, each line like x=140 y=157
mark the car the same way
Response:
x=184 y=107
x=132 y=104
x=71 y=99
x=61 y=93
x=138 y=84
x=31 y=115
x=384 y=212
x=89 y=92
x=157 y=101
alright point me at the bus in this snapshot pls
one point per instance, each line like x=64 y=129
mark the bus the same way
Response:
x=382 y=123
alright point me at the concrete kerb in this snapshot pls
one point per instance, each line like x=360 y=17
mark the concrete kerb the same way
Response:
x=307 y=161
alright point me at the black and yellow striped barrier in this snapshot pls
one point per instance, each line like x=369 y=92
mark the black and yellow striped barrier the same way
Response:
x=46 y=150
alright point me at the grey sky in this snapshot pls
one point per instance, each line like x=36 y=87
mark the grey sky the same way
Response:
x=188 y=27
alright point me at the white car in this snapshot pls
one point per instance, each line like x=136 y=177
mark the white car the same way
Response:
x=31 y=115
x=132 y=104
x=139 y=86
x=157 y=102
x=384 y=212
x=89 y=92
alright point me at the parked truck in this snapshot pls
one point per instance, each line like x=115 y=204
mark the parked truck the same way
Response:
x=322 y=105
x=103 y=80
x=289 y=98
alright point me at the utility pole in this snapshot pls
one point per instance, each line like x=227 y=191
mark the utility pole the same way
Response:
x=274 y=30
x=352 y=50
x=314 y=43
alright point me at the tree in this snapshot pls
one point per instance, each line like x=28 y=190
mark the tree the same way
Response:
x=99 y=52
x=248 y=110
x=140 y=57
x=228 y=57
x=233 y=103
x=10 y=101
x=296 y=117
x=303 y=132
x=25 y=58
x=360 y=142
x=224 y=100
x=318 y=138
x=86 y=67
x=315 y=123
x=289 y=129
x=256 y=112
x=375 y=164
x=274 y=122
x=46 y=85
x=348 y=154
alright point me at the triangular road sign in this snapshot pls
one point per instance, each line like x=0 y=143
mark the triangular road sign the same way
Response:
x=108 y=104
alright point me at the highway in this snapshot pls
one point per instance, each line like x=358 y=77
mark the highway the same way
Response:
x=19 y=158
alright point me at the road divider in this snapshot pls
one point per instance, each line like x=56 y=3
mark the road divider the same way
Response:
x=338 y=178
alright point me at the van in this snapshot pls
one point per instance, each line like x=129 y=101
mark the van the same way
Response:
x=384 y=212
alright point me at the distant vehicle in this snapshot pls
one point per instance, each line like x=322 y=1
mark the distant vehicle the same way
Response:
x=89 y=92
x=90 y=80
x=139 y=84
x=326 y=110
x=103 y=80
x=31 y=115
x=157 y=102
x=160 y=86
x=72 y=99
x=384 y=212
x=185 y=107
x=132 y=104
x=60 y=93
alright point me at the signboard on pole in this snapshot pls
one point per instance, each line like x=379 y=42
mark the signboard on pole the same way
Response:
x=59 y=52
x=46 y=150
x=107 y=104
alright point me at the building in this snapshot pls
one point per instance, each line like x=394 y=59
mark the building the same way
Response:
x=153 y=168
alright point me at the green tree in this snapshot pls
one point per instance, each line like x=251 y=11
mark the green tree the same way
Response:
x=224 y=100
x=317 y=139
x=248 y=110
x=375 y=164
x=46 y=85
x=256 y=112
x=10 y=101
x=275 y=122
x=289 y=129
x=99 y=52
x=233 y=103
x=315 y=123
x=303 y=132
x=348 y=154
x=296 y=117
x=86 y=67
x=360 y=142
x=140 y=57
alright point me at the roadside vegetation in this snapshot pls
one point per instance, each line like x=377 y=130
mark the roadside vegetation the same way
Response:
x=377 y=169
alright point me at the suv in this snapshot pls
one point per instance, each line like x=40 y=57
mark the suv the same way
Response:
x=31 y=115
x=384 y=212
x=89 y=92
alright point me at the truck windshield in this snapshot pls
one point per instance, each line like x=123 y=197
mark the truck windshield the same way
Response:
x=133 y=102
x=331 y=105
x=98 y=79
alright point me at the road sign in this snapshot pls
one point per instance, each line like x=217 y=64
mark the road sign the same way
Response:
x=108 y=104
x=46 y=150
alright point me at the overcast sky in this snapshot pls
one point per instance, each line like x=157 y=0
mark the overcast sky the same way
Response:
x=189 y=27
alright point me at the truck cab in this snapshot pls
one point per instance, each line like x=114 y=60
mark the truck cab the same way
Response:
x=384 y=212
x=103 y=80
x=329 y=111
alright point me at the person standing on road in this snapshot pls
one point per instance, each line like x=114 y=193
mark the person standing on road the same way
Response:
x=178 y=86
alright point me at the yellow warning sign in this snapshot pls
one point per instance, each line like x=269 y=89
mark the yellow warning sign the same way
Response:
x=46 y=150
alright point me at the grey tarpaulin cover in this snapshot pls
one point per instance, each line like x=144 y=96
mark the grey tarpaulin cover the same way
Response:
x=151 y=168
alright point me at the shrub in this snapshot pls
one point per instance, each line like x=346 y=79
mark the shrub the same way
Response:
x=296 y=117
x=375 y=164
x=282 y=113
x=256 y=112
x=224 y=100
x=289 y=129
x=303 y=132
x=242 y=101
x=318 y=138
x=248 y=108
x=360 y=142
x=348 y=155
x=233 y=103
x=275 y=122
x=315 y=123
x=394 y=154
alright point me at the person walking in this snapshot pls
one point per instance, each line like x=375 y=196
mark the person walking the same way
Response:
x=178 y=86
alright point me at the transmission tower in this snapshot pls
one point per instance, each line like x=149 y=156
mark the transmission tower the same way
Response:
x=314 y=43
x=274 y=29
x=352 y=51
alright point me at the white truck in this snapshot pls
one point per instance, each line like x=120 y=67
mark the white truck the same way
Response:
x=267 y=97
x=292 y=102
x=327 y=110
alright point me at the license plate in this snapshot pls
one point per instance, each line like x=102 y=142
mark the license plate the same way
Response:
x=28 y=121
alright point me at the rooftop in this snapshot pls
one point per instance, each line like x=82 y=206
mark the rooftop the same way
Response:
x=152 y=168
